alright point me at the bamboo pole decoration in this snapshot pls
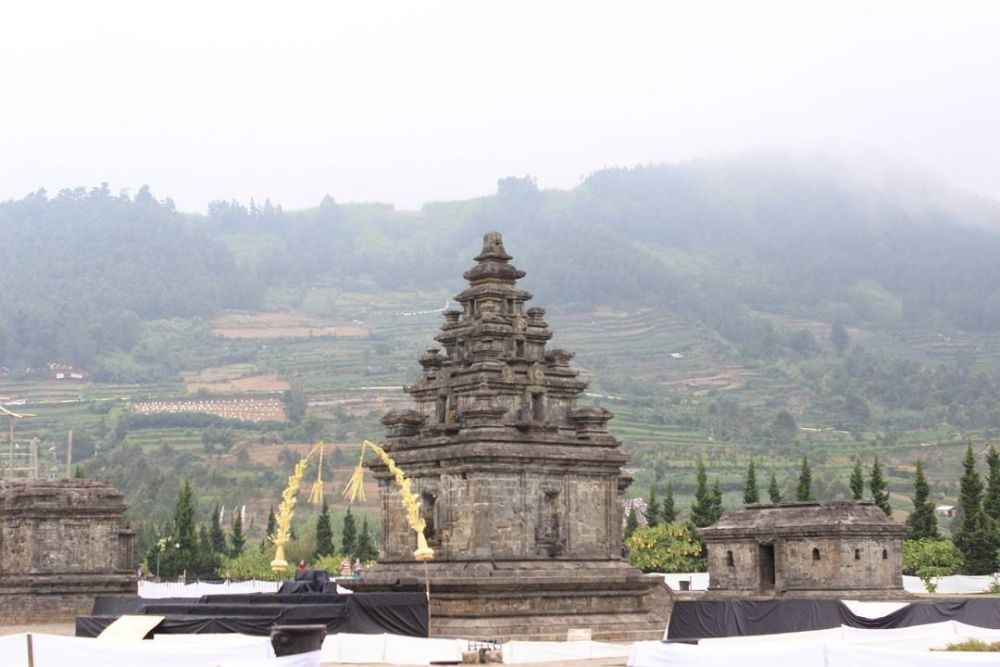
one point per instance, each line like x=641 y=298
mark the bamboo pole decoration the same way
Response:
x=316 y=493
x=287 y=510
x=411 y=501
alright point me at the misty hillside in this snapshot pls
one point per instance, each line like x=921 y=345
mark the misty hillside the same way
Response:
x=708 y=240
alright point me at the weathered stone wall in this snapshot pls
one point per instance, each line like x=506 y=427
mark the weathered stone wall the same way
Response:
x=743 y=574
x=61 y=543
x=850 y=563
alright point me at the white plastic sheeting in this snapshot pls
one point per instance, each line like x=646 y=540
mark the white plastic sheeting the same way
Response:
x=873 y=609
x=952 y=585
x=187 y=650
x=956 y=584
x=398 y=650
x=836 y=647
x=176 y=589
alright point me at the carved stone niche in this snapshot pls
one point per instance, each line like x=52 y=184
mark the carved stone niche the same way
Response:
x=549 y=532
x=591 y=422
x=402 y=423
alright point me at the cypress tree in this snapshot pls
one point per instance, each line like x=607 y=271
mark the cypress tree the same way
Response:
x=631 y=522
x=270 y=530
x=976 y=536
x=991 y=502
x=773 y=492
x=216 y=534
x=702 y=508
x=237 y=539
x=750 y=492
x=181 y=552
x=922 y=522
x=857 y=482
x=366 y=545
x=717 y=508
x=324 y=532
x=804 y=489
x=668 y=513
x=349 y=534
x=876 y=482
x=652 y=508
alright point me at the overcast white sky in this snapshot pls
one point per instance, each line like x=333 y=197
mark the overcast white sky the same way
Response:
x=415 y=101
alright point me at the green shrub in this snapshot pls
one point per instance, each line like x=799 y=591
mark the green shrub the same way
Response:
x=668 y=547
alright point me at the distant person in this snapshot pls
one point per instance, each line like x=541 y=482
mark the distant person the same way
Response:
x=302 y=567
x=357 y=568
x=345 y=568
x=140 y=573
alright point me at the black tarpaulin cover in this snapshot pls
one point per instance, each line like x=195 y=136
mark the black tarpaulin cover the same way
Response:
x=702 y=619
x=255 y=614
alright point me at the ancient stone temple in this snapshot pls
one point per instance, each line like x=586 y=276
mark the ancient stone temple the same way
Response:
x=62 y=541
x=844 y=548
x=521 y=487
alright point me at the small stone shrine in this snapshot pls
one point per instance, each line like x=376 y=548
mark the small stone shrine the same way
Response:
x=62 y=541
x=521 y=488
x=842 y=548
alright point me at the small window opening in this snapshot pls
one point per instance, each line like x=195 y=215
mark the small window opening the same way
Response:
x=538 y=407
x=442 y=409
x=729 y=559
x=885 y=554
x=815 y=553
x=430 y=513
x=857 y=554
x=519 y=347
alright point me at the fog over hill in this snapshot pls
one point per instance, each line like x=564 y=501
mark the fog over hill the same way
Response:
x=711 y=239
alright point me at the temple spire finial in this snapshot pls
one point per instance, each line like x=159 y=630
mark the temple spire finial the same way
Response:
x=493 y=248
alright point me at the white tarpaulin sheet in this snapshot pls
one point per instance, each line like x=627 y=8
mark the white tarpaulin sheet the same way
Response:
x=873 y=609
x=57 y=651
x=176 y=589
x=956 y=584
x=836 y=647
x=520 y=652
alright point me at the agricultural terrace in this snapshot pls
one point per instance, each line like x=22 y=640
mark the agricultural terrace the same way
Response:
x=243 y=409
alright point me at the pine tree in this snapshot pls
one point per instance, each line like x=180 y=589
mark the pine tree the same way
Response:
x=991 y=502
x=750 y=493
x=717 y=508
x=631 y=522
x=922 y=522
x=804 y=490
x=773 y=492
x=181 y=551
x=270 y=530
x=857 y=482
x=349 y=534
x=216 y=534
x=237 y=539
x=652 y=508
x=324 y=532
x=976 y=535
x=702 y=508
x=366 y=550
x=877 y=484
x=668 y=513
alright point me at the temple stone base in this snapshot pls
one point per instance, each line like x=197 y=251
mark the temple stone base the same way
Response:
x=62 y=542
x=533 y=600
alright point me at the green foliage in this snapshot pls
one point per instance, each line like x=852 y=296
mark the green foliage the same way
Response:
x=324 y=532
x=631 y=522
x=750 y=492
x=668 y=513
x=78 y=471
x=922 y=521
x=840 y=339
x=181 y=553
x=652 y=508
x=349 y=534
x=217 y=538
x=877 y=485
x=251 y=564
x=991 y=501
x=976 y=536
x=703 y=509
x=857 y=482
x=928 y=559
x=668 y=547
x=237 y=540
x=270 y=529
x=773 y=492
x=804 y=489
x=366 y=550
x=330 y=563
x=717 y=507
x=973 y=646
x=783 y=426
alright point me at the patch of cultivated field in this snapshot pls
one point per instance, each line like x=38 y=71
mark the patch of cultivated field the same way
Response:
x=281 y=325
x=244 y=409
x=231 y=379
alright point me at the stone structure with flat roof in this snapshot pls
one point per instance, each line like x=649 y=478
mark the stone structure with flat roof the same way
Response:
x=842 y=548
x=521 y=488
x=62 y=542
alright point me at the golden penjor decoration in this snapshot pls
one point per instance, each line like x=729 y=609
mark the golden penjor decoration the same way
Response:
x=287 y=508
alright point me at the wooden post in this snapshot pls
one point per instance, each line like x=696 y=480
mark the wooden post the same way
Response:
x=69 y=455
x=427 y=590
x=31 y=652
